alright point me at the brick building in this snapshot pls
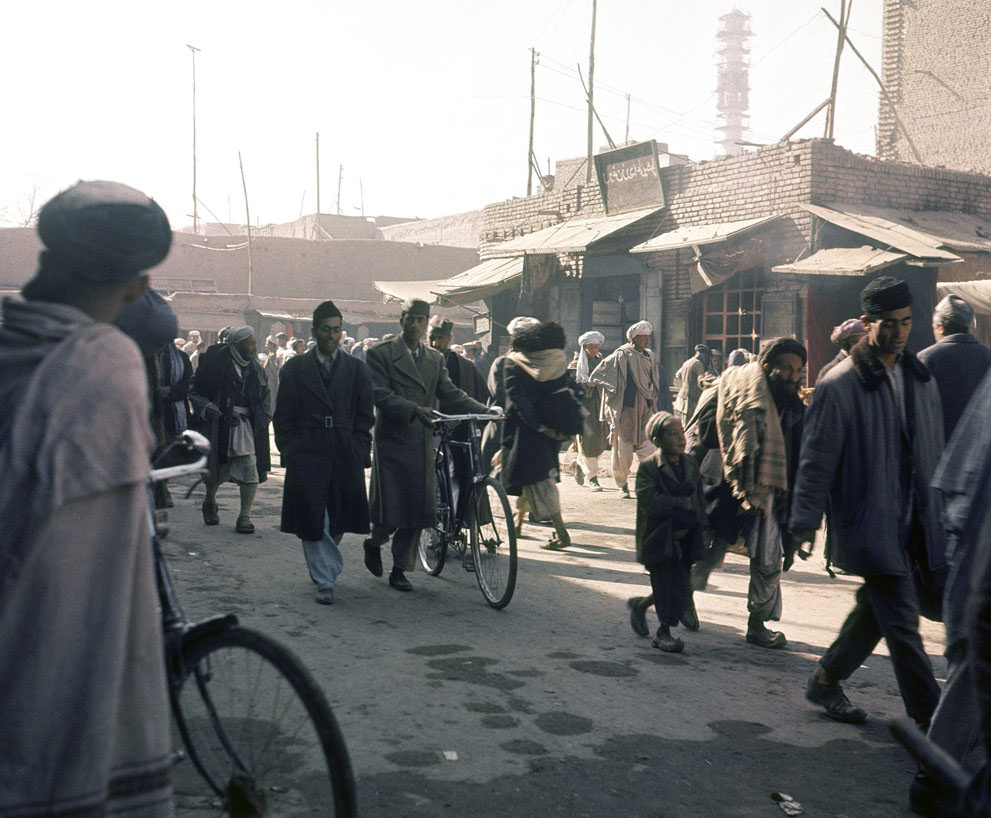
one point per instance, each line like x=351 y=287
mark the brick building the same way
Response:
x=778 y=241
x=937 y=69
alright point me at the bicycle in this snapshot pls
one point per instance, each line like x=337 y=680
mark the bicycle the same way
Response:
x=257 y=728
x=475 y=522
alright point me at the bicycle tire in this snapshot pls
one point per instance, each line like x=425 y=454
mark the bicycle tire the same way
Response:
x=259 y=732
x=432 y=547
x=493 y=543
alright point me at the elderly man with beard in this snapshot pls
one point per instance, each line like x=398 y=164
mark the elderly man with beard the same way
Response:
x=231 y=388
x=873 y=438
x=592 y=441
x=84 y=719
x=629 y=377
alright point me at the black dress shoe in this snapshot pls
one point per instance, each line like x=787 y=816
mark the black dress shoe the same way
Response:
x=833 y=698
x=373 y=558
x=638 y=616
x=397 y=579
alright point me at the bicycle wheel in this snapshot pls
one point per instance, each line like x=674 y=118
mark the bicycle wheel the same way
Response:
x=493 y=543
x=432 y=547
x=260 y=735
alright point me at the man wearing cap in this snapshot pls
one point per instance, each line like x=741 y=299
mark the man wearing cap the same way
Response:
x=629 y=377
x=691 y=379
x=845 y=336
x=958 y=361
x=409 y=379
x=230 y=397
x=592 y=442
x=84 y=719
x=873 y=437
x=461 y=371
x=323 y=428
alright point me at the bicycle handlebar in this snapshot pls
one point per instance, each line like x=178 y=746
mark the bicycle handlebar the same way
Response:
x=440 y=417
x=190 y=443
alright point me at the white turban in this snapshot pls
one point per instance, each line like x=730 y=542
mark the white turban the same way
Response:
x=520 y=323
x=238 y=334
x=640 y=328
x=591 y=337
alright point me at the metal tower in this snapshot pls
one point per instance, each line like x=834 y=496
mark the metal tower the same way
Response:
x=733 y=89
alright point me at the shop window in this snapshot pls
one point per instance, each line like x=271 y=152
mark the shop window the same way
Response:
x=731 y=313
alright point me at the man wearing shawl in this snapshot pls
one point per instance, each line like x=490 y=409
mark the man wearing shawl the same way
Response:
x=873 y=437
x=84 y=720
x=759 y=427
x=230 y=393
x=592 y=441
x=692 y=378
x=629 y=376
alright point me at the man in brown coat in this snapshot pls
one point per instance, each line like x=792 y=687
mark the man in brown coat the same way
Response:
x=408 y=378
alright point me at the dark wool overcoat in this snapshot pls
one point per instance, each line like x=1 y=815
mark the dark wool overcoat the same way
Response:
x=217 y=381
x=403 y=489
x=324 y=432
x=658 y=489
x=852 y=456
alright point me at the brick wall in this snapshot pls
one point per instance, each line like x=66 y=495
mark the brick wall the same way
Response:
x=937 y=68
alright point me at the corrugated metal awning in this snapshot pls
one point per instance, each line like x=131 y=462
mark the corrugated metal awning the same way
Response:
x=485 y=279
x=572 y=236
x=842 y=261
x=894 y=229
x=700 y=235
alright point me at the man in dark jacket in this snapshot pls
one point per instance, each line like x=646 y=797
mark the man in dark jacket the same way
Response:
x=873 y=437
x=408 y=379
x=323 y=423
x=230 y=388
x=958 y=361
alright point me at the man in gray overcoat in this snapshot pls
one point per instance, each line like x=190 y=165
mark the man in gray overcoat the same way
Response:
x=408 y=378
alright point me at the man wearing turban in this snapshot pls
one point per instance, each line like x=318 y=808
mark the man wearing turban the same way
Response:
x=873 y=437
x=594 y=437
x=85 y=725
x=845 y=336
x=629 y=377
x=695 y=374
x=230 y=396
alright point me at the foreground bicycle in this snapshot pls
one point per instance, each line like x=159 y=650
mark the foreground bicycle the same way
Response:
x=258 y=730
x=473 y=520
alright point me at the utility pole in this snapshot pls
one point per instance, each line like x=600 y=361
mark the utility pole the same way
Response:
x=845 y=9
x=318 y=173
x=340 y=178
x=247 y=217
x=626 y=141
x=591 y=110
x=196 y=213
x=533 y=111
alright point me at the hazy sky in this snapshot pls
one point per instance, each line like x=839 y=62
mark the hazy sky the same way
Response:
x=425 y=103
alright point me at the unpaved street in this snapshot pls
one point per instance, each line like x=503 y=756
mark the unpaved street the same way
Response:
x=554 y=707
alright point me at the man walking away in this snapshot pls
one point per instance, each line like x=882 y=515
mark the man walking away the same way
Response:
x=629 y=376
x=873 y=436
x=84 y=719
x=323 y=423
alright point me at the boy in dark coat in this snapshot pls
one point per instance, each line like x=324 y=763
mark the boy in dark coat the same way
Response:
x=324 y=415
x=670 y=524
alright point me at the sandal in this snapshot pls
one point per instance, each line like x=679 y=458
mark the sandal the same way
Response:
x=244 y=526
x=554 y=544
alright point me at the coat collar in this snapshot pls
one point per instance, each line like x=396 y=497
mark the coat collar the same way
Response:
x=403 y=361
x=311 y=378
x=870 y=369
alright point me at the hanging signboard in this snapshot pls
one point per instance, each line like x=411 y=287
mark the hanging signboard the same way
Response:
x=630 y=177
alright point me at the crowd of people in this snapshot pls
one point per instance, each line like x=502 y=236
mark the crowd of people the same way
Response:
x=892 y=449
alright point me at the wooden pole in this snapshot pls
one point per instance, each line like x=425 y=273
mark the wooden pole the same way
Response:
x=591 y=74
x=318 y=173
x=594 y=112
x=626 y=141
x=247 y=217
x=884 y=91
x=533 y=111
x=340 y=178
x=799 y=126
x=196 y=213
x=845 y=9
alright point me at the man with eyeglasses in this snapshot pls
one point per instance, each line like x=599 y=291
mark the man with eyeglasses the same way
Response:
x=323 y=420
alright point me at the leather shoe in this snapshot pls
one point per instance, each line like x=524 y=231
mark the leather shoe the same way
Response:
x=373 y=558
x=835 y=701
x=690 y=617
x=638 y=616
x=764 y=637
x=244 y=526
x=668 y=643
x=325 y=596
x=397 y=579
x=210 y=516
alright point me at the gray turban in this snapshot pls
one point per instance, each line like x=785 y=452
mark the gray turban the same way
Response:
x=238 y=334
x=103 y=231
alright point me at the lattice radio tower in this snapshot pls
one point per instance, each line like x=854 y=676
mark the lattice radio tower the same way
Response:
x=733 y=88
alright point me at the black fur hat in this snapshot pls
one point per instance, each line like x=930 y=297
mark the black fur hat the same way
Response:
x=548 y=335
